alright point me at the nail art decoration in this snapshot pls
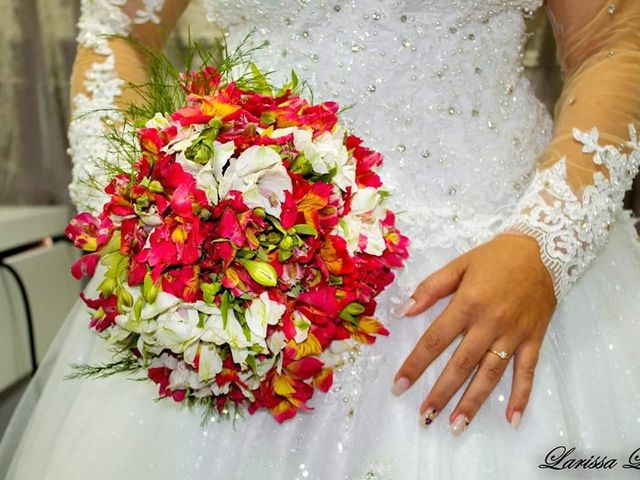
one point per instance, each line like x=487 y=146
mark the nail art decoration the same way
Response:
x=460 y=424
x=429 y=416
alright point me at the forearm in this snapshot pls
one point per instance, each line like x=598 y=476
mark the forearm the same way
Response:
x=584 y=172
x=107 y=62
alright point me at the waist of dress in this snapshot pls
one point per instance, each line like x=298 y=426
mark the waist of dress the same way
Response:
x=445 y=225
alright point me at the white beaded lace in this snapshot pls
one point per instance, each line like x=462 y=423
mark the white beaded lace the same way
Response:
x=570 y=231
x=95 y=112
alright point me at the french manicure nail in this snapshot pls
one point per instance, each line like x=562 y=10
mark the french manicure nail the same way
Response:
x=400 y=386
x=428 y=416
x=460 y=424
x=404 y=308
x=516 y=417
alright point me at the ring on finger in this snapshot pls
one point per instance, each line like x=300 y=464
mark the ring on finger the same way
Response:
x=500 y=353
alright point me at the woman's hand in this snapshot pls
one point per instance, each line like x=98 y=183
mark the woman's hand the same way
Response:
x=503 y=301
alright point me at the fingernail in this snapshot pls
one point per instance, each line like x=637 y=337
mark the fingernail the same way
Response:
x=428 y=417
x=400 y=386
x=460 y=424
x=404 y=308
x=516 y=417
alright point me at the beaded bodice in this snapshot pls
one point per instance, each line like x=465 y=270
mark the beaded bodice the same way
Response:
x=436 y=86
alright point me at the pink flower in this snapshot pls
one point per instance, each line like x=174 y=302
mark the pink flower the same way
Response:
x=85 y=266
x=89 y=233
x=105 y=311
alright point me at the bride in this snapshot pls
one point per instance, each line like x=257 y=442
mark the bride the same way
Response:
x=522 y=259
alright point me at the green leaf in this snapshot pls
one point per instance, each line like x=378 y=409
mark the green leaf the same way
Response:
x=284 y=255
x=245 y=253
x=276 y=224
x=351 y=312
x=156 y=187
x=305 y=229
x=224 y=308
x=209 y=291
x=260 y=83
x=251 y=361
x=302 y=166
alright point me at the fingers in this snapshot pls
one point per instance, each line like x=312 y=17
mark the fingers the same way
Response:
x=525 y=361
x=489 y=373
x=462 y=364
x=432 y=343
x=439 y=284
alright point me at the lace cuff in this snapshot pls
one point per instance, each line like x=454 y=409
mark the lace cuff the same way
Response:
x=569 y=230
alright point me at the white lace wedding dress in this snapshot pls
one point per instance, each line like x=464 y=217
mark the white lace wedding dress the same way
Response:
x=438 y=88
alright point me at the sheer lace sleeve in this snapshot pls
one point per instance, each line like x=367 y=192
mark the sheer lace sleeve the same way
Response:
x=583 y=174
x=101 y=70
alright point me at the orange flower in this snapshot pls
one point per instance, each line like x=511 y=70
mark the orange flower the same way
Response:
x=366 y=329
x=216 y=108
x=335 y=256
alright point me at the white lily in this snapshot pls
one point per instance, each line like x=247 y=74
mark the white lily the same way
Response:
x=158 y=121
x=263 y=312
x=302 y=324
x=184 y=138
x=210 y=363
x=164 y=302
x=209 y=175
x=178 y=329
x=363 y=220
x=365 y=200
x=261 y=177
x=215 y=332
x=276 y=341
x=183 y=377
x=328 y=152
x=282 y=132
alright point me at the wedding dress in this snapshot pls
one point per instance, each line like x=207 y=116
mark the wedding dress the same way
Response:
x=438 y=87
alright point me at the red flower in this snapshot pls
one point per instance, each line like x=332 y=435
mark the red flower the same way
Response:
x=200 y=82
x=89 y=233
x=106 y=310
x=85 y=266
x=190 y=115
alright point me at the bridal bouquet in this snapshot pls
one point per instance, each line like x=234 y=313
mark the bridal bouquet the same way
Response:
x=246 y=237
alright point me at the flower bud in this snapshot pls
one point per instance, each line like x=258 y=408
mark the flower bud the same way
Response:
x=286 y=243
x=268 y=118
x=124 y=297
x=149 y=289
x=261 y=272
x=156 y=187
x=107 y=286
x=203 y=155
x=273 y=238
x=354 y=308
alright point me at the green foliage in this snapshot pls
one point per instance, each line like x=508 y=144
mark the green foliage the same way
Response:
x=128 y=364
x=162 y=93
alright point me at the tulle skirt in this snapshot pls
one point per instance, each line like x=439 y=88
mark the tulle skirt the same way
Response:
x=585 y=396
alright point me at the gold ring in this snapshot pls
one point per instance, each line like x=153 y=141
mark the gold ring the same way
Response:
x=502 y=354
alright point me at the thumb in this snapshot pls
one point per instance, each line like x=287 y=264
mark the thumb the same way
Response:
x=439 y=284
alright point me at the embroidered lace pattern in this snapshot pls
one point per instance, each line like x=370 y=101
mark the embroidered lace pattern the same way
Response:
x=571 y=230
